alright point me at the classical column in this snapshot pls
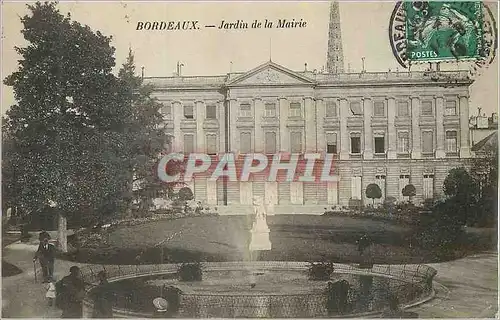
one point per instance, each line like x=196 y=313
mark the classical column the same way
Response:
x=310 y=117
x=320 y=121
x=200 y=117
x=415 y=128
x=221 y=118
x=464 y=127
x=439 y=127
x=283 y=117
x=233 y=118
x=259 y=133
x=392 y=141
x=344 y=135
x=178 y=114
x=367 y=112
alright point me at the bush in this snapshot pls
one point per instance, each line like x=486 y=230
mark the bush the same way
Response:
x=185 y=194
x=389 y=203
x=190 y=272
x=320 y=271
x=355 y=204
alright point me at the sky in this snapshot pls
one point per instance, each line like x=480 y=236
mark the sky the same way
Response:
x=210 y=51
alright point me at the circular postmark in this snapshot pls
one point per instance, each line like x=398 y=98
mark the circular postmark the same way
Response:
x=423 y=32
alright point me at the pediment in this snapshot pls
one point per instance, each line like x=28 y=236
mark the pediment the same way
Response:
x=270 y=74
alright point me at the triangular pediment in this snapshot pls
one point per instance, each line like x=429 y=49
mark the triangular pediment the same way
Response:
x=270 y=73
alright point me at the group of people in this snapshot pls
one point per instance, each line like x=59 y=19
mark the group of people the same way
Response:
x=68 y=293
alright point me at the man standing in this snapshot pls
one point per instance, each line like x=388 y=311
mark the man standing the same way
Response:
x=70 y=294
x=103 y=298
x=46 y=254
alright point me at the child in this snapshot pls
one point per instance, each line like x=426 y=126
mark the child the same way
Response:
x=51 y=292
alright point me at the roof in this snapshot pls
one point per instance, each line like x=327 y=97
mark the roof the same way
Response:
x=490 y=141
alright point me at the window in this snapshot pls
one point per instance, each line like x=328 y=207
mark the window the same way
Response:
x=211 y=112
x=379 y=144
x=331 y=143
x=380 y=181
x=356 y=109
x=245 y=110
x=451 y=141
x=188 y=143
x=296 y=192
x=166 y=111
x=427 y=142
x=331 y=109
x=427 y=108
x=211 y=144
x=296 y=142
x=356 y=143
x=404 y=180
x=356 y=188
x=403 y=142
x=428 y=186
x=270 y=142
x=188 y=112
x=295 y=110
x=245 y=142
x=451 y=108
x=378 y=109
x=270 y=110
x=403 y=110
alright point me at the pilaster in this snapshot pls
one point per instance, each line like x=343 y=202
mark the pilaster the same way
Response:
x=233 y=118
x=259 y=133
x=464 y=126
x=344 y=136
x=283 y=117
x=320 y=121
x=391 y=128
x=221 y=115
x=177 y=113
x=367 y=114
x=415 y=128
x=310 y=125
x=439 y=127
x=200 y=117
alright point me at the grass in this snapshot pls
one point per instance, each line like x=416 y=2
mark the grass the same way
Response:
x=226 y=238
x=9 y=270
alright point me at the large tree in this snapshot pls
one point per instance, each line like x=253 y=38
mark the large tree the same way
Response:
x=462 y=191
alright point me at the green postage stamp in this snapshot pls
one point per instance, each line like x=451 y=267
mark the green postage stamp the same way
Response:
x=438 y=31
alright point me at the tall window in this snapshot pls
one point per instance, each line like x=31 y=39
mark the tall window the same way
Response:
x=356 y=188
x=403 y=142
x=245 y=110
x=426 y=108
x=211 y=112
x=355 y=143
x=379 y=109
x=270 y=142
x=211 y=144
x=245 y=142
x=166 y=111
x=380 y=181
x=451 y=141
x=296 y=142
x=295 y=109
x=188 y=112
x=188 y=143
x=404 y=180
x=356 y=108
x=270 y=109
x=403 y=110
x=331 y=143
x=427 y=142
x=331 y=109
x=428 y=186
x=379 y=144
x=451 y=108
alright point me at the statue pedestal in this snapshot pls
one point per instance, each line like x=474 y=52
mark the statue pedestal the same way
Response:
x=260 y=237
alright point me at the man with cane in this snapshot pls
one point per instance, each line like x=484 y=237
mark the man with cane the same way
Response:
x=46 y=255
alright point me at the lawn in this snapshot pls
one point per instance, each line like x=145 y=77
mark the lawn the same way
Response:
x=225 y=238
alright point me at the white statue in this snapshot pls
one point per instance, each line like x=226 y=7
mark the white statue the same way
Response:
x=260 y=230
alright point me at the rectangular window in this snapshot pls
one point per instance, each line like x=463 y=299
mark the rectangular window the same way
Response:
x=355 y=144
x=331 y=109
x=356 y=189
x=166 y=111
x=188 y=143
x=245 y=110
x=188 y=112
x=427 y=142
x=270 y=142
x=211 y=144
x=356 y=108
x=296 y=142
x=331 y=143
x=245 y=142
x=451 y=141
x=427 y=108
x=428 y=186
x=379 y=109
x=270 y=110
x=297 y=192
x=379 y=145
x=403 y=110
x=404 y=180
x=403 y=142
x=451 y=108
x=295 y=110
x=211 y=112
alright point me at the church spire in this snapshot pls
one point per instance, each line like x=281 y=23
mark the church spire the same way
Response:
x=335 y=56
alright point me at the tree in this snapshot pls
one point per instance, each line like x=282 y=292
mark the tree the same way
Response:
x=373 y=192
x=64 y=133
x=484 y=171
x=409 y=191
x=462 y=190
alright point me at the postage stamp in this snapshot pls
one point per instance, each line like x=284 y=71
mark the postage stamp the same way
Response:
x=438 y=31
